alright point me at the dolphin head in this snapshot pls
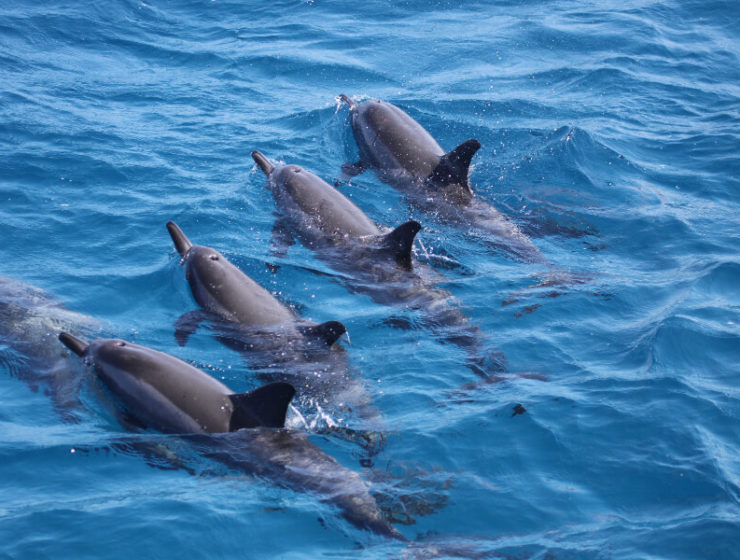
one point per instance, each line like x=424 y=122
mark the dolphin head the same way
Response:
x=206 y=270
x=288 y=180
x=202 y=264
x=103 y=352
x=205 y=265
x=285 y=180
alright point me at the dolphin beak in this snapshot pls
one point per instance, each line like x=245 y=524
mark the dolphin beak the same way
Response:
x=265 y=164
x=352 y=104
x=73 y=343
x=182 y=243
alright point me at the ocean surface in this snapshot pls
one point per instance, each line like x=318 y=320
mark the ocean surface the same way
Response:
x=610 y=135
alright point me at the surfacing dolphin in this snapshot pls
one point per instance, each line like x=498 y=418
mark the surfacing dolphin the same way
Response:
x=406 y=156
x=30 y=321
x=224 y=291
x=374 y=262
x=278 y=343
x=173 y=397
x=239 y=430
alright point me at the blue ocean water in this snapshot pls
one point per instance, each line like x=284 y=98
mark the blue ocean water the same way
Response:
x=611 y=136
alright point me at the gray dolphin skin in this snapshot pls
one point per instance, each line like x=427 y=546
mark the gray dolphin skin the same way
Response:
x=30 y=321
x=376 y=263
x=278 y=344
x=321 y=217
x=406 y=156
x=223 y=290
x=171 y=396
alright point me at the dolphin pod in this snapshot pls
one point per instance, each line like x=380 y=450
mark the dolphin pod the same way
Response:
x=277 y=343
x=247 y=431
x=407 y=157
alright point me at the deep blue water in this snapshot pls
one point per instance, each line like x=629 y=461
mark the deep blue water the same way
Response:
x=610 y=134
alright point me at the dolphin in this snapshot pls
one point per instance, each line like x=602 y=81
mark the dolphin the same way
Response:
x=29 y=319
x=375 y=262
x=278 y=343
x=321 y=217
x=172 y=396
x=407 y=157
x=242 y=430
x=226 y=292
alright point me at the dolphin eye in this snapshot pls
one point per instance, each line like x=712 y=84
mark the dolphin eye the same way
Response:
x=213 y=257
x=296 y=170
x=120 y=343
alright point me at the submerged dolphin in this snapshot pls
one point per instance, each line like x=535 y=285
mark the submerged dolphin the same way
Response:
x=278 y=343
x=30 y=320
x=377 y=263
x=172 y=396
x=406 y=156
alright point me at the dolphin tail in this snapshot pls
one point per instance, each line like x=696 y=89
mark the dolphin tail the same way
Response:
x=182 y=243
x=265 y=164
x=265 y=406
x=328 y=332
x=73 y=343
x=454 y=165
x=400 y=242
x=348 y=101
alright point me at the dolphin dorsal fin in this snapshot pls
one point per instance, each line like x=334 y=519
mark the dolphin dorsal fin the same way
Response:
x=400 y=242
x=265 y=406
x=328 y=332
x=453 y=167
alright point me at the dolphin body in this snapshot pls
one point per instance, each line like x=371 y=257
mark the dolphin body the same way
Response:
x=278 y=343
x=172 y=396
x=30 y=320
x=377 y=263
x=226 y=292
x=406 y=156
x=242 y=430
